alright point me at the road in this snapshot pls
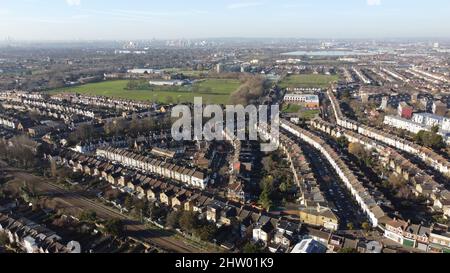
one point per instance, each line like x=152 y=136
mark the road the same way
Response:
x=333 y=188
x=134 y=229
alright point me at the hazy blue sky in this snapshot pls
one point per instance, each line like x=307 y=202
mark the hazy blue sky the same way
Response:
x=146 y=19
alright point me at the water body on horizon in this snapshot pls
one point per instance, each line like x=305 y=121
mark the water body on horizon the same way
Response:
x=337 y=53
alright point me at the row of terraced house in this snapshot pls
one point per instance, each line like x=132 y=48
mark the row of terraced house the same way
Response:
x=189 y=176
x=363 y=197
x=314 y=209
x=427 y=155
x=98 y=101
x=421 y=184
x=278 y=235
x=63 y=107
x=34 y=238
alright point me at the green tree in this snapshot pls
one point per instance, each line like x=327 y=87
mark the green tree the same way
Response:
x=206 y=232
x=250 y=248
x=350 y=226
x=132 y=85
x=3 y=239
x=348 y=250
x=153 y=211
x=345 y=95
x=366 y=226
x=173 y=219
x=265 y=199
x=430 y=139
x=284 y=187
x=89 y=216
x=435 y=129
x=114 y=227
x=188 y=221
x=139 y=208
x=128 y=202
x=343 y=142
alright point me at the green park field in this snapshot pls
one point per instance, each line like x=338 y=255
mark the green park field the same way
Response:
x=303 y=113
x=213 y=91
x=308 y=81
x=291 y=108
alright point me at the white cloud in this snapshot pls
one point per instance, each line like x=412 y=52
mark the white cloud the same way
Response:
x=373 y=2
x=244 y=5
x=73 y=2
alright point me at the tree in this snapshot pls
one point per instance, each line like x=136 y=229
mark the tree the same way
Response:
x=345 y=95
x=23 y=151
x=188 y=221
x=28 y=194
x=114 y=227
x=148 y=124
x=82 y=133
x=139 y=207
x=347 y=250
x=430 y=139
x=361 y=153
x=343 y=141
x=132 y=85
x=112 y=194
x=396 y=181
x=356 y=149
x=250 y=248
x=366 y=226
x=173 y=219
x=265 y=199
x=206 y=232
x=135 y=126
x=153 y=211
x=56 y=82
x=128 y=202
x=89 y=216
x=405 y=193
x=252 y=88
x=435 y=129
x=350 y=226
x=284 y=187
x=4 y=240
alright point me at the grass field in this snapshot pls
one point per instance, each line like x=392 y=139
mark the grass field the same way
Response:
x=303 y=113
x=308 y=81
x=291 y=108
x=219 y=91
x=309 y=114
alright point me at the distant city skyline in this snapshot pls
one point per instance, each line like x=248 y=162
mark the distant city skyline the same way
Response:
x=176 y=19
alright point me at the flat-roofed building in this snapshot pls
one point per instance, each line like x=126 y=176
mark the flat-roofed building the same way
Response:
x=306 y=100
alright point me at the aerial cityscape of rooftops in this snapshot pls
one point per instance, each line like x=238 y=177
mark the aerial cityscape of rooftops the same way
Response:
x=359 y=126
